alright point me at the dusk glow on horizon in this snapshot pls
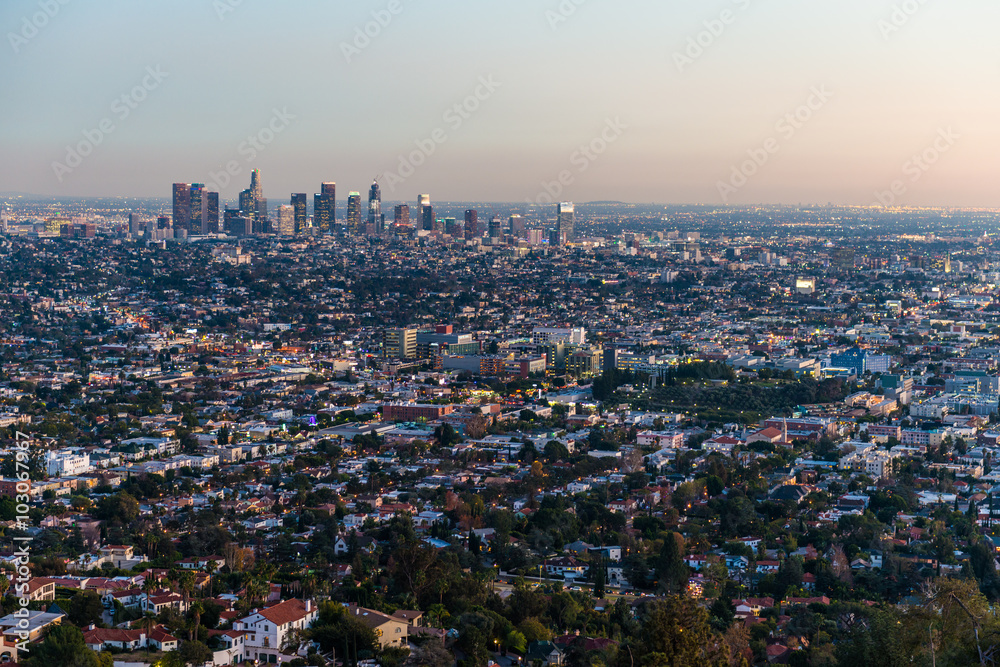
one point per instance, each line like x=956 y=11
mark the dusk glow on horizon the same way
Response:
x=858 y=102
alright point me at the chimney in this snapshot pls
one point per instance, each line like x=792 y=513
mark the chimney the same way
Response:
x=309 y=606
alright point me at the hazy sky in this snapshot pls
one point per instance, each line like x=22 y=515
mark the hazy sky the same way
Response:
x=668 y=120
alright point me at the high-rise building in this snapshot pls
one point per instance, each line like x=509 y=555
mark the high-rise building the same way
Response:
x=325 y=208
x=236 y=223
x=400 y=344
x=182 y=204
x=453 y=228
x=496 y=228
x=253 y=204
x=354 y=213
x=133 y=224
x=471 y=224
x=376 y=221
x=401 y=215
x=565 y=222
x=195 y=199
x=299 y=206
x=210 y=213
x=517 y=226
x=426 y=212
x=286 y=220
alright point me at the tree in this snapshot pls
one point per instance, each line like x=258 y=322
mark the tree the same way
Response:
x=446 y=435
x=675 y=633
x=121 y=507
x=598 y=576
x=196 y=610
x=671 y=569
x=64 y=646
x=516 y=642
x=555 y=451
x=194 y=653
x=85 y=608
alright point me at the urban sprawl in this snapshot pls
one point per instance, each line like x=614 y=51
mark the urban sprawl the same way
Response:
x=467 y=434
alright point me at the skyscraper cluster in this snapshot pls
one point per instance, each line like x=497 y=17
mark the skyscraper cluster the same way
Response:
x=196 y=212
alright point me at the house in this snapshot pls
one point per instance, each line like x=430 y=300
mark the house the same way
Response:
x=157 y=602
x=752 y=606
x=35 y=624
x=98 y=639
x=233 y=645
x=768 y=566
x=40 y=589
x=162 y=640
x=392 y=631
x=545 y=653
x=269 y=629
x=565 y=566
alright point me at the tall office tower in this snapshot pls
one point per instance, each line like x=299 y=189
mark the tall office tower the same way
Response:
x=263 y=223
x=453 y=228
x=195 y=197
x=321 y=214
x=133 y=223
x=376 y=223
x=255 y=186
x=299 y=205
x=496 y=227
x=286 y=220
x=210 y=213
x=517 y=226
x=401 y=215
x=182 y=204
x=354 y=213
x=399 y=344
x=325 y=208
x=565 y=225
x=425 y=212
x=471 y=224
x=258 y=210
x=247 y=205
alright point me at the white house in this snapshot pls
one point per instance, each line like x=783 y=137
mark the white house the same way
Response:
x=269 y=629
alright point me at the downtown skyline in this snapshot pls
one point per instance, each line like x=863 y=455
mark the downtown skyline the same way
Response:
x=731 y=102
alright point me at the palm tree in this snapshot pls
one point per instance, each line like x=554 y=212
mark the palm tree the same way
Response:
x=148 y=622
x=185 y=581
x=148 y=583
x=210 y=567
x=196 y=608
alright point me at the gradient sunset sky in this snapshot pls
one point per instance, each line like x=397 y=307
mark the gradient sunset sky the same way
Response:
x=894 y=83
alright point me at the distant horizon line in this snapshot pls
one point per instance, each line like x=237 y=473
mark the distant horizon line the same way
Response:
x=598 y=202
